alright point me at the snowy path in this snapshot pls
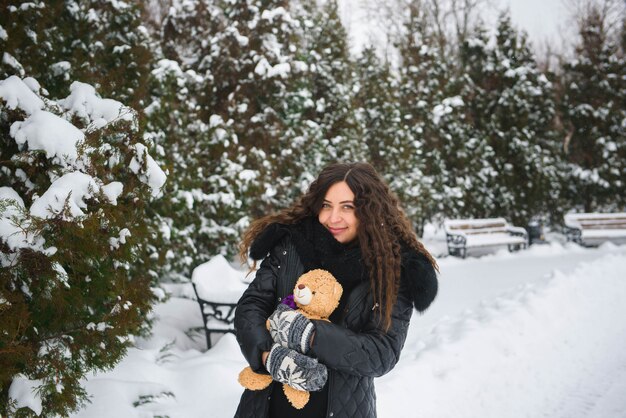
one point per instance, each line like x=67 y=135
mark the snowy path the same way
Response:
x=465 y=283
x=533 y=334
x=552 y=347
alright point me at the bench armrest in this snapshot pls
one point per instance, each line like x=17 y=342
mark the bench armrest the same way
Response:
x=517 y=230
x=573 y=234
x=457 y=238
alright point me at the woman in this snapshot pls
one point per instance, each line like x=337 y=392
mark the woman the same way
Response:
x=350 y=224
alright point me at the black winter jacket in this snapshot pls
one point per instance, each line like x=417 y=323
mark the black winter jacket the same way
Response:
x=356 y=350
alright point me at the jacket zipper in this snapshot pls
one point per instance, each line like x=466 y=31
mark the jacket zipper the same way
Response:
x=330 y=393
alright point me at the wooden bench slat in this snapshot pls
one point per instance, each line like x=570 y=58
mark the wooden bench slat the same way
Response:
x=482 y=226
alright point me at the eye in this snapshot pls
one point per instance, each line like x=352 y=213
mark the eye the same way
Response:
x=325 y=205
x=348 y=207
x=313 y=292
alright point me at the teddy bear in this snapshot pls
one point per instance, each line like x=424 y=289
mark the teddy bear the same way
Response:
x=316 y=295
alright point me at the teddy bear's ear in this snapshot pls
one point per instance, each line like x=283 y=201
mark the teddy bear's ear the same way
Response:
x=337 y=290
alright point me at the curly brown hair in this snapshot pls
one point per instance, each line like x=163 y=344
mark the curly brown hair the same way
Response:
x=383 y=226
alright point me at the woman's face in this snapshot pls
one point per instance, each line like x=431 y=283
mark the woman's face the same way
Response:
x=337 y=213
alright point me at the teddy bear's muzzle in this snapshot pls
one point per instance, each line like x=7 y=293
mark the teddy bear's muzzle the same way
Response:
x=302 y=295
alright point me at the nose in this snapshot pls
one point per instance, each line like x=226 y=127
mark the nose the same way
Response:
x=300 y=286
x=335 y=216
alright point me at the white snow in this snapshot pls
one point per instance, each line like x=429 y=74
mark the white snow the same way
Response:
x=18 y=94
x=50 y=133
x=217 y=281
x=10 y=60
x=12 y=227
x=74 y=188
x=121 y=239
x=11 y=234
x=446 y=107
x=61 y=67
x=112 y=191
x=528 y=334
x=24 y=392
x=84 y=102
x=152 y=175
x=32 y=84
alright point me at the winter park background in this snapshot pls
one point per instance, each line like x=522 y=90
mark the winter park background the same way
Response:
x=139 y=139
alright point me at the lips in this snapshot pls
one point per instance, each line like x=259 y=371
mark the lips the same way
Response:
x=336 y=231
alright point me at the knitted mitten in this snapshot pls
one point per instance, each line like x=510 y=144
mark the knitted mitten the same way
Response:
x=296 y=370
x=291 y=329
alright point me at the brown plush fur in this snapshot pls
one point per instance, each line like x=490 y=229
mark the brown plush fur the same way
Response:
x=324 y=300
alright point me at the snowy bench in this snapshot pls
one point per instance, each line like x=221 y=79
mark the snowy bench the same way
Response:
x=218 y=287
x=462 y=234
x=591 y=229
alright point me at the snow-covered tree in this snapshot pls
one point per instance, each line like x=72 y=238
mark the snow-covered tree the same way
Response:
x=594 y=83
x=329 y=129
x=221 y=108
x=76 y=180
x=424 y=79
x=97 y=41
x=196 y=218
x=511 y=110
x=391 y=149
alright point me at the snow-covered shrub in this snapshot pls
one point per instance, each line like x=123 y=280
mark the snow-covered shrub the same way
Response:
x=76 y=179
x=198 y=216
x=100 y=42
x=594 y=115
x=219 y=109
x=516 y=118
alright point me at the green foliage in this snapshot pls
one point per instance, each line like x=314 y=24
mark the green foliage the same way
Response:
x=69 y=304
x=485 y=124
x=391 y=144
x=513 y=111
x=96 y=41
x=593 y=110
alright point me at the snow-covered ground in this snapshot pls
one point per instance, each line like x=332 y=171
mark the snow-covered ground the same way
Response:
x=539 y=333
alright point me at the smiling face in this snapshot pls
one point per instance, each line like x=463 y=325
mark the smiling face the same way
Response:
x=338 y=213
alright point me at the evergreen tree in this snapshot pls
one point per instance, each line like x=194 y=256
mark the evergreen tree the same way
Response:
x=197 y=217
x=378 y=111
x=593 y=111
x=76 y=179
x=424 y=77
x=258 y=78
x=329 y=129
x=96 y=41
x=512 y=110
x=391 y=150
x=221 y=110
